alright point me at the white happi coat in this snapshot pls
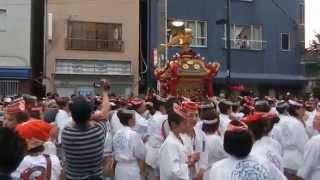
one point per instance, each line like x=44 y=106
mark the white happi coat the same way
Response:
x=195 y=145
x=156 y=138
x=214 y=146
x=310 y=129
x=224 y=122
x=140 y=127
x=128 y=149
x=276 y=132
x=249 y=168
x=39 y=160
x=173 y=159
x=310 y=170
x=293 y=139
x=270 y=150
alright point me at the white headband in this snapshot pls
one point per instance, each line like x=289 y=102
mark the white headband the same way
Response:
x=210 y=121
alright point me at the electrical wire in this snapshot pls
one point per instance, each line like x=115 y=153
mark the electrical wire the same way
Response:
x=140 y=52
x=284 y=12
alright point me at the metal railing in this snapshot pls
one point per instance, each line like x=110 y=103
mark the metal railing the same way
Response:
x=94 y=44
x=246 y=44
x=9 y=87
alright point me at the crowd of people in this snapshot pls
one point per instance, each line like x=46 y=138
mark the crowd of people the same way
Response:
x=159 y=138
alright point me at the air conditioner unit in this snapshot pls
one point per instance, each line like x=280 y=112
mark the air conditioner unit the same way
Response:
x=50 y=26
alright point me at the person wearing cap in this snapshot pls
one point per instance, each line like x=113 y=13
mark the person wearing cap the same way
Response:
x=140 y=107
x=236 y=114
x=156 y=137
x=293 y=137
x=214 y=144
x=240 y=164
x=36 y=133
x=173 y=160
x=128 y=147
x=15 y=114
x=260 y=124
x=195 y=140
x=311 y=112
x=225 y=108
x=282 y=110
x=204 y=108
x=310 y=170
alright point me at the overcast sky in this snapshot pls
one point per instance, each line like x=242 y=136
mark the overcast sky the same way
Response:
x=312 y=19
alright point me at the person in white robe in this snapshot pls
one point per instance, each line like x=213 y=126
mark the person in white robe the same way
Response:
x=311 y=117
x=293 y=139
x=214 y=144
x=240 y=165
x=282 y=109
x=155 y=138
x=195 y=140
x=310 y=170
x=260 y=124
x=225 y=108
x=129 y=150
x=174 y=162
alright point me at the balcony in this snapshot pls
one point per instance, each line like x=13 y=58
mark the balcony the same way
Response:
x=94 y=45
x=245 y=44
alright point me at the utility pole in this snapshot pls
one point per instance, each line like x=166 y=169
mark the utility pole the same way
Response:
x=228 y=40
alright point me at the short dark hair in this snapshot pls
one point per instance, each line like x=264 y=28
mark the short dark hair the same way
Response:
x=292 y=110
x=62 y=102
x=281 y=110
x=224 y=107
x=21 y=117
x=12 y=151
x=238 y=144
x=210 y=128
x=81 y=110
x=259 y=128
x=124 y=116
x=174 y=119
x=262 y=106
x=169 y=104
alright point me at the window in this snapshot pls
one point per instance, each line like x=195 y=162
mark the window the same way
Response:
x=199 y=32
x=285 y=41
x=65 y=66
x=3 y=19
x=301 y=14
x=94 y=36
x=246 y=37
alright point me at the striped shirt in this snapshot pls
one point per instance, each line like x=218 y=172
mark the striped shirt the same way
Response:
x=83 y=150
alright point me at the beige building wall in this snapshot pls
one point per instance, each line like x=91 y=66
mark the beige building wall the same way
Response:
x=125 y=12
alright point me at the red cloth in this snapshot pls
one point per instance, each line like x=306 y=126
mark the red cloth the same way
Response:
x=237 y=126
x=16 y=106
x=34 y=129
x=136 y=102
x=258 y=116
x=189 y=106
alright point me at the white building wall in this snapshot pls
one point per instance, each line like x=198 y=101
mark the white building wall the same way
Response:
x=15 y=25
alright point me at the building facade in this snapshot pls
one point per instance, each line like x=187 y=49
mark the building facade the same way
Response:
x=267 y=38
x=15 y=31
x=89 y=41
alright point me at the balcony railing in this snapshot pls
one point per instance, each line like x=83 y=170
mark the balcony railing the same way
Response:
x=246 y=44
x=94 y=44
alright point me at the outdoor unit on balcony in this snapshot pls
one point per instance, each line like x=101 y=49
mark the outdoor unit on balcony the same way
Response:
x=50 y=26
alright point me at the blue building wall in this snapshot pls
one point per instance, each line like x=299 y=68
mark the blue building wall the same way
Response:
x=280 y=65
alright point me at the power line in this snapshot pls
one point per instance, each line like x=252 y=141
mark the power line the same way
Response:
x=285 y=12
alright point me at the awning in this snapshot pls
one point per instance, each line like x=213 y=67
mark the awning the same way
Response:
x=259 y=78
x=15 y=73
